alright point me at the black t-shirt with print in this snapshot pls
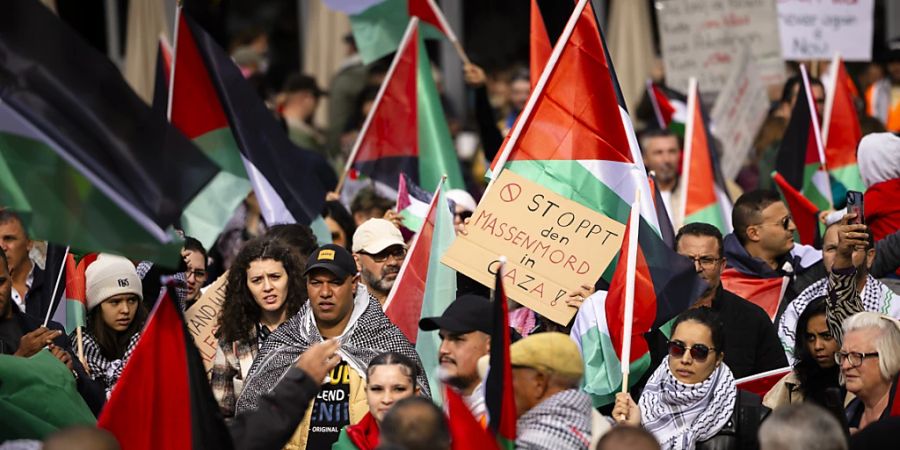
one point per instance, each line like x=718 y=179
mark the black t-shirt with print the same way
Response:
x=331 y=409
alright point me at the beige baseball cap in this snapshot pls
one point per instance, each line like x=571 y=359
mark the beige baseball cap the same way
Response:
x=375 y=235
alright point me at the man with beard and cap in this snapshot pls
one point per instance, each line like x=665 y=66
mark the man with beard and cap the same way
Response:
x=338 y=308
x=379 y=251
x=465 y=330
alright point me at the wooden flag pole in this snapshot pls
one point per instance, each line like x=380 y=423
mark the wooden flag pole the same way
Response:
x=630 y=268
x=80 y=345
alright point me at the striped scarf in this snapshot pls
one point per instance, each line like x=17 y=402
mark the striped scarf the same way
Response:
x=101 y=369
x=679 y=414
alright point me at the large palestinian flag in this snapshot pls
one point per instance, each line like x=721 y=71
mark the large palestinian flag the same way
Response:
x=406 y=130
x=705 y=198
x=83 y=159
x=499 y=396
x=840 y=129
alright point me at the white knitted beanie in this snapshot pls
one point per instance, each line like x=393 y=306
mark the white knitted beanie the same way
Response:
x=110 y=275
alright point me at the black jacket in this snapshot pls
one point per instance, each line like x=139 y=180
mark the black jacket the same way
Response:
x=740 y=433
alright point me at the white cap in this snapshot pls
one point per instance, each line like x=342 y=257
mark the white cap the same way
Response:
x=110 y=275
x=375 y=235
x=462 y=198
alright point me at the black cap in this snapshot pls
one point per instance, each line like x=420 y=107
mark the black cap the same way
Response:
x=466 y=314
x=333 y=258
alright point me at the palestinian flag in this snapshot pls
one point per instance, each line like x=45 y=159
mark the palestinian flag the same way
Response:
x=669 y=107
x=763 y=292
x=704 y=196
x=761 y=383
x=378 y=24
x=404 y=303
x=406 y=130
x=804 y=213
x=801 y=157
x=841 y=132
x=412 y=203
x=216 y=107
x=499 y=397
x=163 y=399
x=39 y=396
x=574 y=137
x=161 y=79
x=465 y=432
x=540 y=47
x=428 y=12
x=71 y=313
x=83 y=159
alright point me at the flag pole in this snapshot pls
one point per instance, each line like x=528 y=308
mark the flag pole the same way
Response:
x=450 y=34
x=413 y=24
x=536 y=92
x=816 y=131
x=173 y=61
x=630 y=269
x=62 y=269
x=693 y=101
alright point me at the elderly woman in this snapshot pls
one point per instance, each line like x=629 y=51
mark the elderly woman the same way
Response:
x=691 y=400
x=870 y=361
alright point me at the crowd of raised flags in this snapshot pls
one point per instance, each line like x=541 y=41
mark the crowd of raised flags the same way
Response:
x=87 y=164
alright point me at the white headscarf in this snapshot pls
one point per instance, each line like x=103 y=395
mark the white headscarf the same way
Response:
x=878 y=157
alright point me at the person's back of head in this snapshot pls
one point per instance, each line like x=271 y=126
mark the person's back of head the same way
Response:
x=800 y=427
x=81 y=438
x=298 y=237
x=415 y=423
x=748 y=210
x=624 y=437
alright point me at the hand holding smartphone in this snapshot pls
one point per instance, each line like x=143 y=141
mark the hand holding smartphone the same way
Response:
x=855 y=205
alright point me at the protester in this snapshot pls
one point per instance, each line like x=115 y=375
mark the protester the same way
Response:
x=81 y=438
x=624 y=437
x=878 y=157
x=297 y=104
x=367 y=205
x=465 y=330
x=115 y=317
x=691 y=400
x=415 y=423
x=463 y=205
x=345 y=86
x=552 y=413
x=875 y=295
x=298 y=237
x=881 y=99
x=379 y=251
x=751 y=341
x=519 y=90
x=23 y=336
x=337 y=307
x=801 y=427
x=814 y=377
x=28 y=279
x=390 y=378
x=762 y=245
x=340 y=223
x=195 y=276
x=661 y=151
x=264 y=290
x=246 y=223
x=870 y=360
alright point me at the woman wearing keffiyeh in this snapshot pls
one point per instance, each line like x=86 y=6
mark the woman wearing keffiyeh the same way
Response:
x=691 y=400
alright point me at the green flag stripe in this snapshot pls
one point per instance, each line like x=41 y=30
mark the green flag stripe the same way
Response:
x=74 y=315
x=811 y=191
x=712 y=215
x=603 y=370
x=206 y=215
x=849 y=176
x=220 y=146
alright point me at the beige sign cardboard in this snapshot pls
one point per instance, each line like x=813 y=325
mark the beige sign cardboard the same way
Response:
x=202 y=317
x=552 y=245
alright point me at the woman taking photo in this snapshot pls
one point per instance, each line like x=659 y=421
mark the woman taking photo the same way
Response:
x=265 y=289
x=691 y=400
x=115 y=318
x=390 y=378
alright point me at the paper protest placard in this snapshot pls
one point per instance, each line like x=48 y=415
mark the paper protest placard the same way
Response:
x=701 y=38
x=552 y=245
x=201 y=319
x=816 y=29
x=739 y=111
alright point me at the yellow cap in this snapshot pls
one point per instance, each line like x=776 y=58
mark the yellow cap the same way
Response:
x=548 y=352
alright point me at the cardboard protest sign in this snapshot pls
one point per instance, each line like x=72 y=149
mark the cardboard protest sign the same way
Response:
x=739 y=111
x=202 y=317
x=552 y=244
x=701 y=38
x=817 y=29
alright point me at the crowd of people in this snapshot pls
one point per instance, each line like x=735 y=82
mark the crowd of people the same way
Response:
x=305 y=357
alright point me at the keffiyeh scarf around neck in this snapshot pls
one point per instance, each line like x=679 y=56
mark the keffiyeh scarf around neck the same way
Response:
x=679 y=414
x=368 y=334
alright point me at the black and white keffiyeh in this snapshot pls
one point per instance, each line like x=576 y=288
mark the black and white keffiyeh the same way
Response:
x=561 y=422
x=679 y=415
x=368 y=334
x=102 y=369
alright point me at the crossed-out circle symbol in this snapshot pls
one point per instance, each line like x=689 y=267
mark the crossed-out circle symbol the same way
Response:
x=510 y=192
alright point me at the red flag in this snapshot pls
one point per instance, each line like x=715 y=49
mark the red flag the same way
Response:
x=404 y=303
x=803 y=211
x=163 y=398
x=763 y=292
x=465 y=432
x=499 y=396
x=427 y=11
x=761 y=383
x=540 y=48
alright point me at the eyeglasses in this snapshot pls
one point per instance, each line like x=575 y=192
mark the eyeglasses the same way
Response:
x=699 y=352
x=398 y=253
x=706 y=262
x=197 y=273
x=855 y=358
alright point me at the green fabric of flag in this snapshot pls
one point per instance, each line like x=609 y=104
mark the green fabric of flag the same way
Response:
x=379 y=29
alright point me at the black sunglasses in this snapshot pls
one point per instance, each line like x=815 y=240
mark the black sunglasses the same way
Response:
x=699 y=352
x=463 y=215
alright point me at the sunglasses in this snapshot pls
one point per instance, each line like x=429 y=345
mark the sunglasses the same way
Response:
x=463 y=215
x=785 y=222
x=699 y=352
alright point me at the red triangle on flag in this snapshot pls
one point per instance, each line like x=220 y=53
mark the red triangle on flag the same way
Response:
x=427 y=11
